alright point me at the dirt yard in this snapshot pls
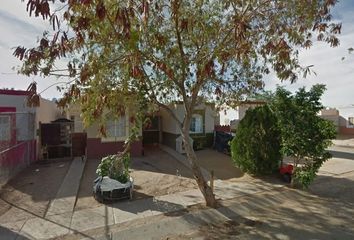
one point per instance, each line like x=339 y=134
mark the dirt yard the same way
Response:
x=33 y=188
x=220 y=163
x=155 y=174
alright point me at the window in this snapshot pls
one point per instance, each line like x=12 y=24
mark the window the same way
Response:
x=351 y=122
x=196 y=124
x=116 y=129
x=5 y=128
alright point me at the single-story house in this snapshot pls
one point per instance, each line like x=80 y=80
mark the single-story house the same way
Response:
x=343 y=120
x=18 y=130
x=97 y=146
x=248 y=104
x=232 y=117
x=162 y=130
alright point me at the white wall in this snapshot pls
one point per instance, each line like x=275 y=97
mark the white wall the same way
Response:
x=17 y=101
x=24 y=120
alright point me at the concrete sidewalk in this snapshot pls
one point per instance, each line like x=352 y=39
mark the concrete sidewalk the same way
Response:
x=344 y=141
x=81 y=221
x=66 y=195
x=57 y=219
x=245 y=199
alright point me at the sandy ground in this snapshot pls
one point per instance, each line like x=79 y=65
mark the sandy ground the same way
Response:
x=34 y=187
x=220 y=163
x=154 y=174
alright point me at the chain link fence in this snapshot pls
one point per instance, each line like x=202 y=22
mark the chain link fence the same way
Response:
x=17 y=143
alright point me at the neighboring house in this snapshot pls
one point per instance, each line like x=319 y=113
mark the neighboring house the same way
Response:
x=201 y=129
x=18 y=127
x=117 y=131
x=232 y=117
x=248 y=104
x=344 y=120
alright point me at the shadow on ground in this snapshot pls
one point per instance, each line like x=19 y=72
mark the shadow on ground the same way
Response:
x=339 y=154
x=220 y=163
x=6 y=233
x=35 y=186
x=156 y=160
x=338 y=188
x=155 y=174
x=283 y=214
x=150 y=204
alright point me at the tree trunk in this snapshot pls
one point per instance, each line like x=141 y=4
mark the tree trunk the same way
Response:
x=202 y=183
x=292 y=182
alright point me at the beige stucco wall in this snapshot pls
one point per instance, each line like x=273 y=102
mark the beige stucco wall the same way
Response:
x=93 y=131
x=331 y=115
x=169 y=124
x=211 y=119
x=329 y=112
x=47 y=111
x=242 y=109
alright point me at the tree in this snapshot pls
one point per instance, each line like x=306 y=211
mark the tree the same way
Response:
x=256 y=147
x=156 y=51
x=304 y=135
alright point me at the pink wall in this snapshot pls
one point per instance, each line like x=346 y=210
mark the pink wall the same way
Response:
x=345 y=130
x=222 y=128
x=14 y=92
x=98 y=149
x=16 y=158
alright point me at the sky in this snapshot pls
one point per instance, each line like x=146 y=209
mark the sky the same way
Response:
x=17 y=28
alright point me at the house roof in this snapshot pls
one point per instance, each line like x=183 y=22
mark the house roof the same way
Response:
x=62 y=120
x=14 y=92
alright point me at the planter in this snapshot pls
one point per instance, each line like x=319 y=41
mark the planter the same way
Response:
x=107 y=189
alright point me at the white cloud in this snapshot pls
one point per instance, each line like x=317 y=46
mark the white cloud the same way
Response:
x=17 y=28
x=331 y=70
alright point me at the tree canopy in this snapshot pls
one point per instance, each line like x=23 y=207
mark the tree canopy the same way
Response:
x=174 y=50
x=156 y=51
x=305 y=136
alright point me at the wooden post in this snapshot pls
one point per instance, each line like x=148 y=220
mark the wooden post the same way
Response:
x=212 y=180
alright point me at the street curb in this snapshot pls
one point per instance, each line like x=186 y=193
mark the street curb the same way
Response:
x=343 y=146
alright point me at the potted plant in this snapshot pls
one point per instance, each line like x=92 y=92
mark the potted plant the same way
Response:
x=114 y=181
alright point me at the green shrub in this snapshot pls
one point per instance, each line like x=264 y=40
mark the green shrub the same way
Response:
x=256 y=147
x=104 y=166
x=115 y=167
x=305 y=135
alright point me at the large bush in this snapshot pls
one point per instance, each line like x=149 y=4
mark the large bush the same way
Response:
x=256 y=147
x=305 y=136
